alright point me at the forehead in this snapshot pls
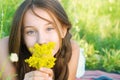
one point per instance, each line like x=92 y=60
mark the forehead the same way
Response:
x=36 y=15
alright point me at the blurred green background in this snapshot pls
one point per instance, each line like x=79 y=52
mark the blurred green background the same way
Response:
x=96 y=28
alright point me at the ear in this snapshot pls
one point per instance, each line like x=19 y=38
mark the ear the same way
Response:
x=64 y=31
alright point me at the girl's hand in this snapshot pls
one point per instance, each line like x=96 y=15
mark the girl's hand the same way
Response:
x=42 y=74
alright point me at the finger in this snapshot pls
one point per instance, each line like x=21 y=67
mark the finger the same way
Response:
x=48 y=71
x=36 y=74
x=30 y=78
x=38 y=78
x=41 y=74
x=29 y=74
x=50 y=78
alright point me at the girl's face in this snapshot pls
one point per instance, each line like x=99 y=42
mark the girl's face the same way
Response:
x=38 y=30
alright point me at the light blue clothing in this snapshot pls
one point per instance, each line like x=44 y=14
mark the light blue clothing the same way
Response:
x=81 y=64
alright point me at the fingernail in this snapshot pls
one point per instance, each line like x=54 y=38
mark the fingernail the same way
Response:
x=47 y=75
x=49 y=78
x=41 y=68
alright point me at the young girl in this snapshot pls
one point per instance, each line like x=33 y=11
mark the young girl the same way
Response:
x=40 y=21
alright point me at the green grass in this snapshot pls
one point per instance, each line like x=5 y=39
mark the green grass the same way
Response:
x=96 y=28
x=7 y=10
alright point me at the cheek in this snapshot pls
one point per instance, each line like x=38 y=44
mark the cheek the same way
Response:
x=56 y=39
x=29 y=41
x=56 y=49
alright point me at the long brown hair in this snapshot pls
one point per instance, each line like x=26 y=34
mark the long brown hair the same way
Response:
x=16 y=39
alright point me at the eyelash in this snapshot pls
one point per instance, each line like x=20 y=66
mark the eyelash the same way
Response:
x=31 y=32
x=49 y=29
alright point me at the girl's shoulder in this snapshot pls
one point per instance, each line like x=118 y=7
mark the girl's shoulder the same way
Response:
x=4 y=59
x=75 y=47
x=4 y=45
x=73 y=63
x=4 y=40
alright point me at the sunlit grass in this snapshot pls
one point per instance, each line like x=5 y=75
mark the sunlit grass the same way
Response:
x=96 y=26
x=111 y=57
x=7 y=10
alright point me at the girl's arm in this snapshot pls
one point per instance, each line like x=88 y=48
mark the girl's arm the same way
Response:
x=6 y=68
x=74 y=61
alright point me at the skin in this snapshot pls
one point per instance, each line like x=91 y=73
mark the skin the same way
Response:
x=4 y=61
x=37 y=30
x=9 y=71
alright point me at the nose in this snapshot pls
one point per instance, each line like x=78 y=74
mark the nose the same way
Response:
x=41 y=39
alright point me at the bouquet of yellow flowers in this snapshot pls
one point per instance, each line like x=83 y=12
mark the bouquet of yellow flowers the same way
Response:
x=42 y=56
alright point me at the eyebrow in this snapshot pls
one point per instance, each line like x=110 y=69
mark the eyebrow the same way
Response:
x=45 y=24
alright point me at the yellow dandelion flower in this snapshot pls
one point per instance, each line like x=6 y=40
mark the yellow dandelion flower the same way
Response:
x=42 y=56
